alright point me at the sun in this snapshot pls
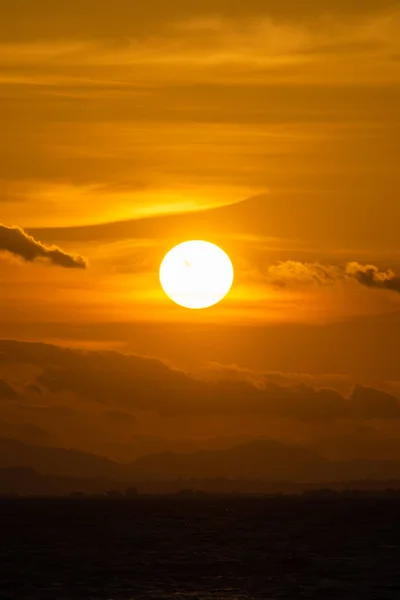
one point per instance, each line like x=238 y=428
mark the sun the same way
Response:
x=196 y=274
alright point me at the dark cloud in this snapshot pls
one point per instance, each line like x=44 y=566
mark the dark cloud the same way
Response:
x=371 y=403
x=112 y=379
x=97 y=401
x=25 y=432
x=134 y=383
x=372 y=277
x=19 y=243
x=6 y=391
x=214 y=371
x=34 y=388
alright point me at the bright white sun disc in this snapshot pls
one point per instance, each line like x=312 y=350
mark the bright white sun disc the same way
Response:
x=196 y=274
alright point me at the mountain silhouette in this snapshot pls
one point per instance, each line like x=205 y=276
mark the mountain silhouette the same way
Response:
x=57 y=461
x=262 y=460
x=25 y=481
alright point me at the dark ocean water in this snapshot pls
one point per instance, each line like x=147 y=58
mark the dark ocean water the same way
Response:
x=211 y=548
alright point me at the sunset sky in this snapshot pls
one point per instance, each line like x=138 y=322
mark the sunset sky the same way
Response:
x=269 y=128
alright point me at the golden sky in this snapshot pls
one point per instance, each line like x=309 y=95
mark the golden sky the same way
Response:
x=271 y=129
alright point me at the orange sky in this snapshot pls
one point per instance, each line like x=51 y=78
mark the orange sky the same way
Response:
x=272 y=131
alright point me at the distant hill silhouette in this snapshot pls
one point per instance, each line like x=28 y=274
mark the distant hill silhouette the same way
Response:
x=266 y=460
x=57 y=461
x=262 y=460
x=25 y=481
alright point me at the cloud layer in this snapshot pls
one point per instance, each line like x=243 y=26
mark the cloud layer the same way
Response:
x=123 y=405
x=136 y=383
x=19 y=243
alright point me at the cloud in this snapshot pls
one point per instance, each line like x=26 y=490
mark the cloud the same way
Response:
x=19 y=243
x=370 y=276
x=149 y=385
x=6 y=391
x=98 y=401
x=251 y=96
x=372 y=403
x=292 y=274
x=214 y=371
x=25 y=432
x=115 y=380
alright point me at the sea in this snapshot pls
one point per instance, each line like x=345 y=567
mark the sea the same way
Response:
x=203 y=548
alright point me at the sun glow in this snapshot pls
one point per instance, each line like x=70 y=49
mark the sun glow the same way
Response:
x=196 y=274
